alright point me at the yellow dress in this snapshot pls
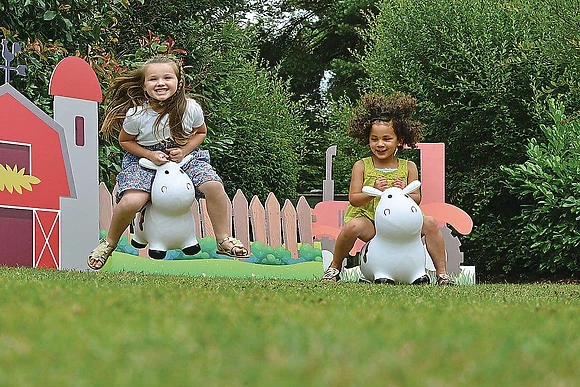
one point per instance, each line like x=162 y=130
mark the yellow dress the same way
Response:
x=370 y=175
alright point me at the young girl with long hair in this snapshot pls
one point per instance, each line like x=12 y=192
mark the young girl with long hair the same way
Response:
x=149 y=110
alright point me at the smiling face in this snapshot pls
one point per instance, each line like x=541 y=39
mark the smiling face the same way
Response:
x=383 y=141
x=160 y=81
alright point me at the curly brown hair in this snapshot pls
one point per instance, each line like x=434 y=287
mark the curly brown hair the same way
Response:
x=396 y=108
x=127 y=92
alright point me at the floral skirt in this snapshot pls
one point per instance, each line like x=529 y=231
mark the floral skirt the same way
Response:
x=134 y=176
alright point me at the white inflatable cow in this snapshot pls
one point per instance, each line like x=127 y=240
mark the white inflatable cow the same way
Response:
x=166 y=222
x=396 y=252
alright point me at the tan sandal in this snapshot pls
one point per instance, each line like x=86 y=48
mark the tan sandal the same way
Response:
x=445 y=279
x=236 y=246
x=331 y=274
x=100 y=254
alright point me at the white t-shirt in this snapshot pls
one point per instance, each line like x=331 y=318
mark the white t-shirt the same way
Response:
x=139 y=122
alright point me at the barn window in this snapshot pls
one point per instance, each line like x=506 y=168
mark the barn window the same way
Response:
x=80 y=131
x=15 y=154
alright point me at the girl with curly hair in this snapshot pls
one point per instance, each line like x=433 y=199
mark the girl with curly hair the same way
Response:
x=385 y=125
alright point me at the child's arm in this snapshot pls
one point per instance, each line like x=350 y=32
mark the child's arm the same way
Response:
x=413 y=174
x=195 y=139
x=355 y=195
x=129 y=143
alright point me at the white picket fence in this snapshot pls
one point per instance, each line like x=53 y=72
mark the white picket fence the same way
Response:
x=268 y=223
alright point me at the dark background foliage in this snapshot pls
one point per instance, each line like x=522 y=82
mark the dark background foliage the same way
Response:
x=257 y=132
x=482 y=72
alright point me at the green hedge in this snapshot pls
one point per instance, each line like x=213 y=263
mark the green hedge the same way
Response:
x=482 y=71
x=548 y=187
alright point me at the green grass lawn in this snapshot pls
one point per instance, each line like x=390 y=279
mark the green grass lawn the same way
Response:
x=122 y=329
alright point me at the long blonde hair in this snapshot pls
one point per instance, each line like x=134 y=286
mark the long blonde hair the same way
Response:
x=127 y=92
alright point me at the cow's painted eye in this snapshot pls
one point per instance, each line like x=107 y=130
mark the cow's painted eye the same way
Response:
x=389 y=196
x=387 y=211
x=167 y=172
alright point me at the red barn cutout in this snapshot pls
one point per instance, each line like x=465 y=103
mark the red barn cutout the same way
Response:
x=49 y=172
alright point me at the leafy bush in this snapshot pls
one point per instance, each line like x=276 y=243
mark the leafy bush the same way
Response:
x=75 y=24
x=40 y=60
x=348 y=150
x=256 y=133
x=548 y=186
x=481 y=71
x=251 y=118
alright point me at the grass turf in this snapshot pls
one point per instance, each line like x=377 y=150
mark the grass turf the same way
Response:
x=92 y=329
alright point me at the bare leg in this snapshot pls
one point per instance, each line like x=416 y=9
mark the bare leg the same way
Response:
x=217 y=201
x=435 y=244
x=356 y=228
x=123 y=214
x=217 y=208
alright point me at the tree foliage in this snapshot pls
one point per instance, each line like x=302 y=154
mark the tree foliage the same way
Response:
x=312 y=44
x=76 y=23
x=548 y=188
x=250 y=107
x=309 y=38
x=481 y=71
x=256 y=131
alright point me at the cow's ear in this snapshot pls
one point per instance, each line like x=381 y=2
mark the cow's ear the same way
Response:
x=146 y=163
x=412 y=186
x=371 y=191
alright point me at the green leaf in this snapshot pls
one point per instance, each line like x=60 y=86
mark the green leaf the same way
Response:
x=49 y=15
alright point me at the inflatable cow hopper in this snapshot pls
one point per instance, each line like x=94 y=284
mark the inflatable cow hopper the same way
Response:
x=396 y=253
x=166 y=221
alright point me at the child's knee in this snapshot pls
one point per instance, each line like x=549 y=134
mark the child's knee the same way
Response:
x=212 y=188
x=132 y=202
x=430 y=225
x=355 y=229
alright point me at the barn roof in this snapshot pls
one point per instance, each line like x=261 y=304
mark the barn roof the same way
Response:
x=24 y=123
